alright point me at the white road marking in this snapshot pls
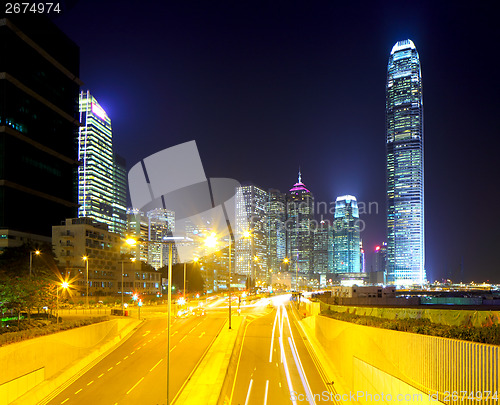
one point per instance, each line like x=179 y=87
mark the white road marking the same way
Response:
x=146 y=333
x=272 y=336
x=101 y=375
x=202 y=333
x=125 y=358
x=265 y=395
x=118 y=363
x=248 y=393
x=90 y=382
x=136 y=384
x=66 y=400
x=173 y=348
x=78 y=391
x=109 y=369
x=183 y=338
x=156 y=365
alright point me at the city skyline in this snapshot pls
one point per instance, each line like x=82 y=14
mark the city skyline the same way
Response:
x=290 y=82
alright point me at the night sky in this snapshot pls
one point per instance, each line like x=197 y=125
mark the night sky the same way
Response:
x=267 y=86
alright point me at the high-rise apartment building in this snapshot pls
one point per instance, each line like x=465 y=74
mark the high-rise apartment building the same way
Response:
x=101 y=173
x=346 y=236
x=405 y=166
x=300 y=217
x=380 y=258
x=39 y=87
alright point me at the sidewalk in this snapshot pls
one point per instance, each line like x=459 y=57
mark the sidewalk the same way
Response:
x=206 y=383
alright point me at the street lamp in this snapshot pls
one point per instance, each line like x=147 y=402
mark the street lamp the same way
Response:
x=86 y=259
x=37 y=252
x=63 y=285
x=123 y=261
x=169 y=241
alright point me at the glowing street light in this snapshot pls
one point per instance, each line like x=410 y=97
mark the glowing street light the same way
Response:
x=86 y=259
x=211 y=240
x=36 y=252
x=64 y=285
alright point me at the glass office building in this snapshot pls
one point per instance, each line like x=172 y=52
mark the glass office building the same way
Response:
x=39 y=89
x=101 y=173
x=405 y=167
x=346 y=239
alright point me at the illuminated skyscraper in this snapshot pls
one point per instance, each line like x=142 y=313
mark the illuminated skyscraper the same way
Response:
x=100 y=176
x=275 y=230
x=300 y=216
x=251 y=253
x=405 y=167
x=346 y=241
x=323 y=248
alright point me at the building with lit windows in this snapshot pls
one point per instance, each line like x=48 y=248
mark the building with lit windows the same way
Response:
x=300 y=217
x=275 y=230
x=405 y=167
x=83 y=237
x=152 y=226
x=323 y=248
x=39 y=89
x=346 y=240
x=100 y=174
x=251 y=253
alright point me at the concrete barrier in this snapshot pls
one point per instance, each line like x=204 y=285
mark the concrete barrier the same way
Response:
x=40 y=365
x=380 y=361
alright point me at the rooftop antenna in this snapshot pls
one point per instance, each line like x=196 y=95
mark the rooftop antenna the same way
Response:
x=300 y=176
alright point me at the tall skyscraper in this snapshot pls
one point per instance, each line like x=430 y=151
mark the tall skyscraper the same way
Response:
x=100 y=198
x=39 y=87
x=251 y=253
x=300 y=216
x=120 y=186
x=346 y=239
x=275 y=230
x=380 y=258
x=405 y=167
x=323 y=248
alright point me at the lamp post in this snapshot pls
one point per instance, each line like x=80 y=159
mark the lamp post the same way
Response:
x=86 y=259
x=63 y=285
x=37 y=252
x=169 y=241
x=132 y=259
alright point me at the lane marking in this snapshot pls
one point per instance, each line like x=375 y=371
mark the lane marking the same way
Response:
x=248 y=393
x=173 y=348
x=136 y=384
x=118 y=363
x=90 y=383
x=66 y=400
x=133 y=352
x=300 y=369
x=78 y=391
x=183 y=338
x=174 y=332
x=156 y=365
x=272 y=337
x=192 y=329
x=125 y=358
x=111 y=368
x=202 y=333
x=265 y=395
x=101 y=375
x=147 y=332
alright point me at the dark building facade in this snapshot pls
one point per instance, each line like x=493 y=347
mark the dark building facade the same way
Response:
x=39 y=87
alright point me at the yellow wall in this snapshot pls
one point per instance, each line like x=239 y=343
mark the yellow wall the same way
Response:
x=364 y=355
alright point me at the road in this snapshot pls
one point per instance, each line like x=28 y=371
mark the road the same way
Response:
x=135 y=372
x=277 y=365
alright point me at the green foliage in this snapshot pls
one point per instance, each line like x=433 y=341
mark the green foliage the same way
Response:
x=487 y=334
x=27 y=331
